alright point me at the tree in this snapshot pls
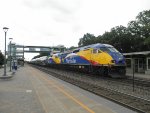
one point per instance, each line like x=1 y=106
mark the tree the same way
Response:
x=105 y=38
x=71 y=48
x=119 y=37
x=140 y=29
x=134 y=37
x=1 y=58
x=143 y=20
x=87 y=40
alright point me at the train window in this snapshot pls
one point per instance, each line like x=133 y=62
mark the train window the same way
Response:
x=85 y=49
x=95 y=51
x=108 y=49
x=75 y=51
x=104 y=49
x=112 y=49
x=99 y=51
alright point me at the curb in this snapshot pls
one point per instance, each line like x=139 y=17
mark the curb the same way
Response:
x=6 y=77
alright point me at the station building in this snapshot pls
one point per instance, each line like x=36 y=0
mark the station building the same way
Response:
x=138 y=61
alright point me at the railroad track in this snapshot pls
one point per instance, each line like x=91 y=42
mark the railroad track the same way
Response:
x=128 y=100
x=138 y=83
x=141 y=81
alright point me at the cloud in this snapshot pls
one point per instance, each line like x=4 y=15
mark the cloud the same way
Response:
x=53 y=22
x=64 y=6
x=62 y=11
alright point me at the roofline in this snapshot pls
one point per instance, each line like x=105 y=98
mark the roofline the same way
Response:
x=138 y=53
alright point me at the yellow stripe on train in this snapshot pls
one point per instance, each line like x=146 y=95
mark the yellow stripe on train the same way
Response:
x=99 y=57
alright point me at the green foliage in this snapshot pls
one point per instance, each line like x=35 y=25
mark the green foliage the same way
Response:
x=87 y=39
x=140 y=29
x=134 y=37
x=1 y=59
x=72 y=48
x=147 y=42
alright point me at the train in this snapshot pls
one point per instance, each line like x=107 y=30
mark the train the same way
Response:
x=102 y=59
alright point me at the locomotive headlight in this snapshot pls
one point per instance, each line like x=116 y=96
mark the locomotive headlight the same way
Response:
x=120 y=58
x=112 y=61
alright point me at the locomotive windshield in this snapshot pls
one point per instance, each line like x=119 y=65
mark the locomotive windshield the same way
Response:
x=108 y=49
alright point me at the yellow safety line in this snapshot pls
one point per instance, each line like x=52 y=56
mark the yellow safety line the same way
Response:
x=68 y=95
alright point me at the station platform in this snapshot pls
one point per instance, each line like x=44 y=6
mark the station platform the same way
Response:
x=33 y=91
x=139 y=75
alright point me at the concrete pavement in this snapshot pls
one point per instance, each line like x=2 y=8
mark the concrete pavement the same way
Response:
x=33 y=91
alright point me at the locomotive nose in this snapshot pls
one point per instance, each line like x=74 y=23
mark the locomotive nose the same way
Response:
x=117 y=58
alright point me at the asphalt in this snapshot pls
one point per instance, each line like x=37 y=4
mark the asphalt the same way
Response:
x=32 y=91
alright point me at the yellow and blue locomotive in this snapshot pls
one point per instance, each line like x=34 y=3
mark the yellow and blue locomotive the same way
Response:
x=100 y=58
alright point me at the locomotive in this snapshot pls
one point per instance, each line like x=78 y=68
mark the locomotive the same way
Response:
x=99 y=58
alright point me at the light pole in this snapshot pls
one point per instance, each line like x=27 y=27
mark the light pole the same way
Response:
x=5 y=30
x=10 y=52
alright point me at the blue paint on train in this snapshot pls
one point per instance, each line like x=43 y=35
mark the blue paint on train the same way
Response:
x=76 y=60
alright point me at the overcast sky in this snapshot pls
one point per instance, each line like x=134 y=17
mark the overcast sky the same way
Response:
x=54 y=22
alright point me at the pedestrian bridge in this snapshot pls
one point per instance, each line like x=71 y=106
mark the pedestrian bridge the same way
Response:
x=17 y=51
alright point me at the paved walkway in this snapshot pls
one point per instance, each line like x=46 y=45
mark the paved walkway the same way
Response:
x=33 y=91
x=16 y=94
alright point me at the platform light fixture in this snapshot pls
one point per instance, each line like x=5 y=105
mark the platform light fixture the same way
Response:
x=5 y=30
